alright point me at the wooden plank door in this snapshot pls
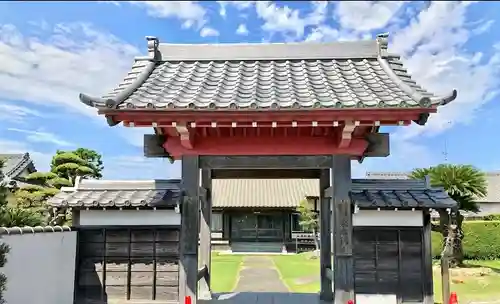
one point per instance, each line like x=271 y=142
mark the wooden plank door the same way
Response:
x=128 y=264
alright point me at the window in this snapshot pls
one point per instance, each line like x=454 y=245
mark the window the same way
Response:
x=295 y=222
x=216 y=224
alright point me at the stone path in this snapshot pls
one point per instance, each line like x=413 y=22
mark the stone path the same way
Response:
x=260 y=283
x=259 y=274
x=265 y=298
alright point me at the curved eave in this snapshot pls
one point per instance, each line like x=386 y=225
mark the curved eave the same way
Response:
x=423 y=101
x=112 y=103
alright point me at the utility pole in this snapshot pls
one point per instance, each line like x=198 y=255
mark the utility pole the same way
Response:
x=445 y=151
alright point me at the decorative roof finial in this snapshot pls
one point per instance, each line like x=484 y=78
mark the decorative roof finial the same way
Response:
x=153 y=44
x=383 y=42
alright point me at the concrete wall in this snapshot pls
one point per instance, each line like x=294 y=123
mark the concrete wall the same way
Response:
x=40 y=265
x=129 y=217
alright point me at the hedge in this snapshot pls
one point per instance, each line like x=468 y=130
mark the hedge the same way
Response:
x=481 y=240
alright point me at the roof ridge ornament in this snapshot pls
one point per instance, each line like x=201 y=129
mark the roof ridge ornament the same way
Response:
x=383 y=43
x=153 y=51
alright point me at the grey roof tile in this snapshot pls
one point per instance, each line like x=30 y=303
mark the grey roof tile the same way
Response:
x=99 y=194
x=492 y=180
x=435 y=198
x=269 y=76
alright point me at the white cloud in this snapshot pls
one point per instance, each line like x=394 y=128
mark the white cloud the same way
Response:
x=73 y=58
x=209 y=32
x=12 y=113
x=287 y=21
x=41 y=136
x=433 y=47
x=239 y=5
x=366 y=15
x=242 y=30
x=189 y=12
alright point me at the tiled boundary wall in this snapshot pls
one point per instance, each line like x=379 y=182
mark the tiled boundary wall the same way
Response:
x=40 y=266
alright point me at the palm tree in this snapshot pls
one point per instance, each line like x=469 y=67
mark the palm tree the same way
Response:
x=464 y=184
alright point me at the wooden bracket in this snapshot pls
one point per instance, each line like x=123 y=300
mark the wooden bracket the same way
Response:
x=186 y=135
x=346 y=135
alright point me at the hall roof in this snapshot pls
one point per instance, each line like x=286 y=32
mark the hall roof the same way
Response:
x=13 y=167
x=294 y=76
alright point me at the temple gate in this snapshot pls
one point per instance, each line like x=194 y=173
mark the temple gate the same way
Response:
x=295 y=110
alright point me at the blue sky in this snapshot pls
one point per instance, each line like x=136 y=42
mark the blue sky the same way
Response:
x=52 y=51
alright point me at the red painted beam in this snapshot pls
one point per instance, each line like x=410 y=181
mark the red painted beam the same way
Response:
x=325 y=115
x=264 y=124
x=265 y=145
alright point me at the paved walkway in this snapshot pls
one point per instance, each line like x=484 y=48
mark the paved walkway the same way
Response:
x=265 y=298
x=259 y=274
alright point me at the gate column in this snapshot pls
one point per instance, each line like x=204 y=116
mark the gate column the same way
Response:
x=190 y=216
x=343 y=262
x=326 y=292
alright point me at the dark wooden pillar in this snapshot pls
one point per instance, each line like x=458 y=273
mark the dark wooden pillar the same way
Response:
x=188 y=266
x=428 y=288
x=343 y=262
x=205 y=233
x=326 y=292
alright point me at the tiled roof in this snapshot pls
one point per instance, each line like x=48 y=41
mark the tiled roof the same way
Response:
x=287 y=193
x=14 y=165
x=338 y=75
x=269 y=193
x=97 y=193
x=492 y=179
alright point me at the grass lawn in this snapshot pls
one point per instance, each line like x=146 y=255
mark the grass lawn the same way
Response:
x=301 y=274
x=479 y=281
x=225 y=270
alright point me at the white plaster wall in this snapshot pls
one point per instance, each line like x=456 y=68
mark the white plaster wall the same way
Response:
x=400 y=218
x=129 y=217
x=376 y=299
x=40 y=268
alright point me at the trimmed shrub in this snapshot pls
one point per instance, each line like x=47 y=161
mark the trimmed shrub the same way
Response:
x=481 y=240
x=492 y=217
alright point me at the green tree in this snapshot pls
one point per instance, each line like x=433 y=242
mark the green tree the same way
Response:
x=69 y=165
x=65 y=167
x=93 y=159
x=4 y=249
x=308 y=220
x=464 y=184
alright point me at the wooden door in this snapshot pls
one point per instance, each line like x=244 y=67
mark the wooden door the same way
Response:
x=127 y=264
x=389 y=261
